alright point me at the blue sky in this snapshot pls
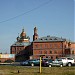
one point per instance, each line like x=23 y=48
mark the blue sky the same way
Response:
x=55 y=18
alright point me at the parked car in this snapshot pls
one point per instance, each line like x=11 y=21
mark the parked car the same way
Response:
x=31 y=62
x=44 y=60
x=63 y=61
x=46 y=63
x=67 y=61
x=25 y=63
x=56 y=62
x=34 y=62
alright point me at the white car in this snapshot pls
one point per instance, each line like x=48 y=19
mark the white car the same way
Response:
x=67 y=61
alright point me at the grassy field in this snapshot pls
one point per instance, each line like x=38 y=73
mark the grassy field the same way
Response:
x=13 y=70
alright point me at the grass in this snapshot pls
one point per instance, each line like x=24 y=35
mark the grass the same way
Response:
x=22 y=70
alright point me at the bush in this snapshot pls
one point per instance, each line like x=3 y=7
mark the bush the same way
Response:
x=9 y=61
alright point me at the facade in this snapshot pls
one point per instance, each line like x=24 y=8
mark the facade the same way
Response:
x=48 y=47
x=52 y=47
x=70 y=51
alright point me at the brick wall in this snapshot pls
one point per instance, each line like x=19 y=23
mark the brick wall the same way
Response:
x=49 y=49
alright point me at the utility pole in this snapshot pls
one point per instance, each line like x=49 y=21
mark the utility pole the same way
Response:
x=40 y=65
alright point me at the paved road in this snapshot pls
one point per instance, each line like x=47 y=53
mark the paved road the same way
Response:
x=18 y=64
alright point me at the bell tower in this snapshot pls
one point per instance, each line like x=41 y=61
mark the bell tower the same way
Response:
x=35 y=36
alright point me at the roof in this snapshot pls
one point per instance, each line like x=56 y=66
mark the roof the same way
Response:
x=49 y=39
x=21 y=44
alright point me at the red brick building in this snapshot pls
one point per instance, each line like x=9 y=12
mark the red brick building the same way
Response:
x=48 y=46
x=52 y=47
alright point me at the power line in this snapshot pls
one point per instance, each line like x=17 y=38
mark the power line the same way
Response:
x=27 y=11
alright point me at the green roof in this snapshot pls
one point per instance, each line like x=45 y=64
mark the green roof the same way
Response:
x=21 y=44
x=49 y=39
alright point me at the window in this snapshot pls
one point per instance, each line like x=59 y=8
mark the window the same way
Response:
x=50 y=45
x=72 y=52
x=55 y=45
x=51 y=57
x=55 y=38
x=17 y=48
x=41 y=39
x=45 y=39
x=46 y=45
x=50 y=52
x=20 y=48
x=40 y=52
x=55 y=52
x=70 y=58
x=56 y=57
x=15 y=51
x=36 y=46
x=45 y=52
x=40 y=45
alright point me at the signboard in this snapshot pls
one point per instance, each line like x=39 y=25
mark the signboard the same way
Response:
x=11 y=55
x=7 y=55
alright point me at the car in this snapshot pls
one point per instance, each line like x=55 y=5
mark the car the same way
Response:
x=34 y=62
x=30 y=62
x=63 y=61
x=25 y=63
x=67 y=61
x=56 y=62
x=46 y=63
x=44 y=60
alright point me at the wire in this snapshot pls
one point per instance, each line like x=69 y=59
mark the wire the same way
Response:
x=27 y=11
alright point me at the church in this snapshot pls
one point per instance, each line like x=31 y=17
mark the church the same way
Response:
x=51 y=47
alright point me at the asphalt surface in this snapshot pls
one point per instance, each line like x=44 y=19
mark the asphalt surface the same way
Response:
x=18 y=64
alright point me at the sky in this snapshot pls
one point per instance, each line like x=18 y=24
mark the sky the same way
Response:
x=51 y=17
